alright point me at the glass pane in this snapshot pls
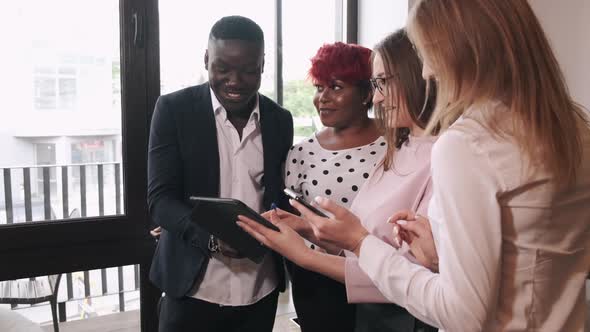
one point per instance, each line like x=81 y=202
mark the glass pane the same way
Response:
x=184 y=31
x=300 y=43
x=67 y=93
x=44 y=93
x=61 y=150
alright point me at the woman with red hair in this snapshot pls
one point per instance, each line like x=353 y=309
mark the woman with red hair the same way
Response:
x=333 y=162
x=403 y=103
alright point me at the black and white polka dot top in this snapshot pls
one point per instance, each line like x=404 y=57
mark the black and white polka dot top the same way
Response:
x=335 y=174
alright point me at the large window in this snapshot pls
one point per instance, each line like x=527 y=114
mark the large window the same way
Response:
x=77 y=96
x=301 y=40
x=184 y=32
x=55 y=87
x=62 y=83
x=79 y=85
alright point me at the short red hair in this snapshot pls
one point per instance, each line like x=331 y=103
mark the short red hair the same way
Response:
x=347 y=62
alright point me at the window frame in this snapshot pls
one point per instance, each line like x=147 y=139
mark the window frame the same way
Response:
x=57 y=99
x=40 y=248
x=69 y=245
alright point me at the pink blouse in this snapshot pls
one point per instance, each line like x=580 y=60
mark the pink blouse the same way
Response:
x=406 y=185
x=513 y=251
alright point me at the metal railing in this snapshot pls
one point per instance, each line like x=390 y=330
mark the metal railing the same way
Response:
x=32 y=193
x=22 y=199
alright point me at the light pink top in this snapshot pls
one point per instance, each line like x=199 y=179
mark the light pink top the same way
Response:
x=513 y=252
x=231 y=281
x=404 y=186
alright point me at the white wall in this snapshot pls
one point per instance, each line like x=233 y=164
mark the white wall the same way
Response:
x=377 y=18
x=567 y=25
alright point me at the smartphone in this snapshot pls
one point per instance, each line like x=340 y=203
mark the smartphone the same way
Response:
x=299 y=198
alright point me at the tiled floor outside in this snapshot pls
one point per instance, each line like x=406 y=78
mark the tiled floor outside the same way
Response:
x=129 y=321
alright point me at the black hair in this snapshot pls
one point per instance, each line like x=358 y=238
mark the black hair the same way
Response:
x=237 y=27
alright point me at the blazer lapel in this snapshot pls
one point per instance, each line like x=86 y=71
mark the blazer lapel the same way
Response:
x=268 y=133
x=270 y=145
x=205 y=132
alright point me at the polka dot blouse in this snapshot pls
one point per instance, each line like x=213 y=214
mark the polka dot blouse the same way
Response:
x=335 y=174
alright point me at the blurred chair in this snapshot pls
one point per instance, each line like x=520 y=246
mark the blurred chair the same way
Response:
x=32 y=291
x=35 y=290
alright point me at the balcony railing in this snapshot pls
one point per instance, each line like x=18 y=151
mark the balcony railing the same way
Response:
x=32 y=194
x=58 y=192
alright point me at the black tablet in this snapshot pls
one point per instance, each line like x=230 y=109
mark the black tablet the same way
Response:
x=219 y=215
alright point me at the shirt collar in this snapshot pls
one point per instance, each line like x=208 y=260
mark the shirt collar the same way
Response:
x=218 y=108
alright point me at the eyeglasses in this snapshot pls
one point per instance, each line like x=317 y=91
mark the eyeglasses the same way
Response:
x=380 y=83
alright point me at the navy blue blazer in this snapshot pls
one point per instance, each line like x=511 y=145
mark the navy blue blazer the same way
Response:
x=183 y=161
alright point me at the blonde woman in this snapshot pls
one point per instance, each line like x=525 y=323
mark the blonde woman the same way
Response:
x=510 y=212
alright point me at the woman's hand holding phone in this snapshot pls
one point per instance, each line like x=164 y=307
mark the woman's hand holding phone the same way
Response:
x=344 y=230
x=299 y=198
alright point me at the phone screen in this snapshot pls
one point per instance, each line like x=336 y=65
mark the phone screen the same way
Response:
x=299 y=198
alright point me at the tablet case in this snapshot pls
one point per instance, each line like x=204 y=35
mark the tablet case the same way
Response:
x=219 y=215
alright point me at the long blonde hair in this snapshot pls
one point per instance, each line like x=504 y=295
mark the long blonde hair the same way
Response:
x=483 y=50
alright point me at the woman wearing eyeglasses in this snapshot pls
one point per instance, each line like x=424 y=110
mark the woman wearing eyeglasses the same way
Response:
x=401 y=180
x=511 y=180
x=334 y=162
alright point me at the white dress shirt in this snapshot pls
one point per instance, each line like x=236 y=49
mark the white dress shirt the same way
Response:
x=231 y=281
x=513 y=252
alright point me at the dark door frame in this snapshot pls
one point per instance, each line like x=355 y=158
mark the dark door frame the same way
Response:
x=42 y=248
x=70 y=245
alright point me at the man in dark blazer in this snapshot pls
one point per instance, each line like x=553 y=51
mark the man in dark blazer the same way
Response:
x=218 y=139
